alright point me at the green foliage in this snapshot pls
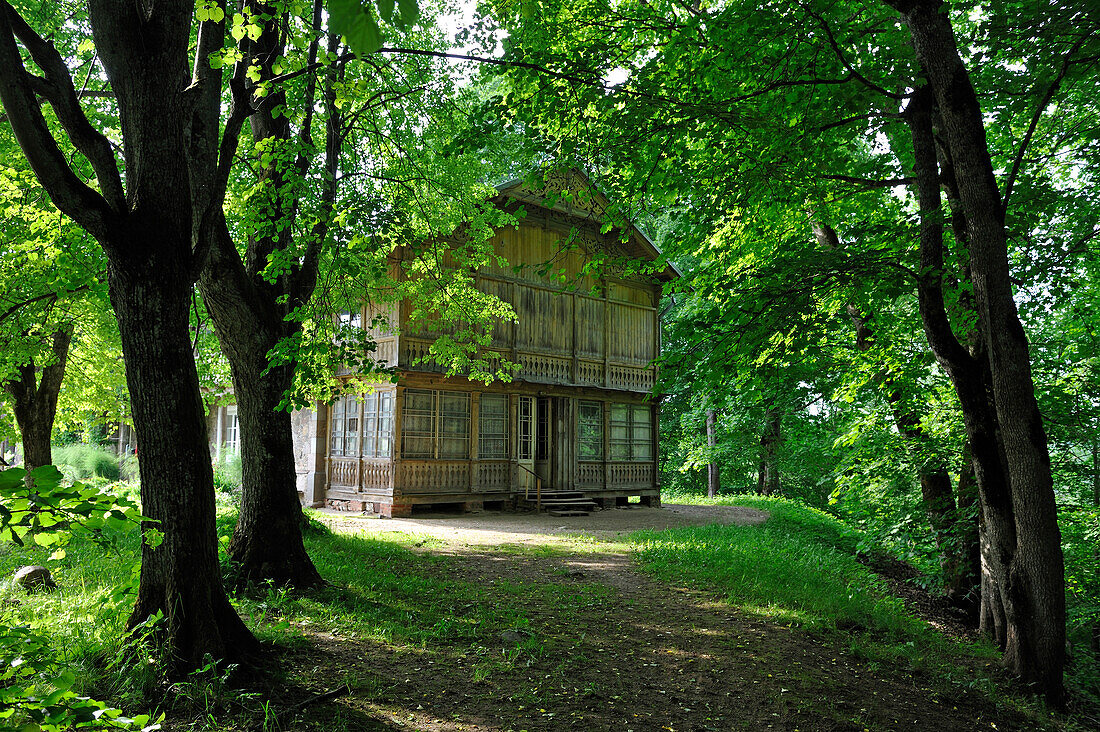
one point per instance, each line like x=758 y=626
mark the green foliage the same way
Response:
x=227 y=472
x=39 y=689
x=84 y=462
x=357 y=20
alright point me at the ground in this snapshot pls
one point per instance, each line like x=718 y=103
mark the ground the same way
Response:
x=590 y=643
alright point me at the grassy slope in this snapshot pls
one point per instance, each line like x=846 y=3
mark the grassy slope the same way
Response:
x=799 y=568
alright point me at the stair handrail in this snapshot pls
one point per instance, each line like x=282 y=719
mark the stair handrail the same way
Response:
x=538 y=488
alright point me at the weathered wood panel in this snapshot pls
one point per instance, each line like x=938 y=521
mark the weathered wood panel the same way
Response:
x=631 y=336
x=502 y=331
x=635 y=294
x=494 y=476
x=629 y=475
x=545 y=320
x=376 y=474
x=590 y=327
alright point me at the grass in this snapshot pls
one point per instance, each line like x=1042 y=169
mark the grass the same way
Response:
x=84 y=462
x=390 y=593
x=799 y=567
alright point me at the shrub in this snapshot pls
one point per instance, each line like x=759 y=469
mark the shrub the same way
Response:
x=84 y=462
x=227 y=473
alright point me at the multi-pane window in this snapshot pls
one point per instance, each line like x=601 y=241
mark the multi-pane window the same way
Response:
x=590 y=431
x=378 y=424
x=454 y=424
x=362 y=421
x=435 y=424
x=631 y=432
x=350 y=319
x=525 y=428
x=344 y=428
x=492 y=431
x=232 y=429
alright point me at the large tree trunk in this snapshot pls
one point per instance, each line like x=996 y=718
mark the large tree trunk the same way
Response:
x=1032 y=579
x=146 y=229
x=34 y=401
x=713 y=474
x=964 y=585
x=767 y=481
x=181 y=578
x=251 y=316
x=267 y=541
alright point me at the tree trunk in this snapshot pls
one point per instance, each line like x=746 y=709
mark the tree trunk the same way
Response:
x=767 y=483
x=252 y=315
x=34 y=401
x=964 y=586
x=146 y=229
x=181 y=577
x=713 y=474
x=1033 y=590
x=267 y=541
x=1096 y=504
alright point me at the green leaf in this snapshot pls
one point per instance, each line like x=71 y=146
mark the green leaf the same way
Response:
x=385 y=10
x=408 y=13
x=356 y=22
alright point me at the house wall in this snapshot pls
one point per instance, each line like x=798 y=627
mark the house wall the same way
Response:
x=571 y=328
x=310 y=430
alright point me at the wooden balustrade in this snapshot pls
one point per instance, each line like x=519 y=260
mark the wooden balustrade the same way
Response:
x=433 y=476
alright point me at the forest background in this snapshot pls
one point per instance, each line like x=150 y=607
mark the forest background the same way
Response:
x=840 y=335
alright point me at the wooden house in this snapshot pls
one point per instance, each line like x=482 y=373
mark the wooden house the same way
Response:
x=577 y=417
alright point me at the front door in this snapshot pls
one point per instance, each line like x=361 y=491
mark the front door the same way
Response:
x=543 y=442
x=526 y=429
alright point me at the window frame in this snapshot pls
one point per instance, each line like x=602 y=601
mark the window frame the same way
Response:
x=597 y=421
x=498 y=419
x=631 y=432
x=441 y=425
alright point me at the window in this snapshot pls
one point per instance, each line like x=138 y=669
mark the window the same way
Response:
x=232 y=429
x=436 y=424
x=631 y=432
x=590 y=431
x=349 y=319
x=525 y=428
x=378 y=424
x=344 y=432
x=492 y=430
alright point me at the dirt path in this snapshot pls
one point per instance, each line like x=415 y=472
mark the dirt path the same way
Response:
x=493 y=528
x=604 y=647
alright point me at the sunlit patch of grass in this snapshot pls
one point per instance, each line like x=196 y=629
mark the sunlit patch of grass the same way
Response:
x=799 y=567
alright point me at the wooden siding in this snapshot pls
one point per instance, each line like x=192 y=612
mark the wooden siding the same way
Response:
x=568 y=330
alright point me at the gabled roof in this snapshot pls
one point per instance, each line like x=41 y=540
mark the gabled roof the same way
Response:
x=583 y=200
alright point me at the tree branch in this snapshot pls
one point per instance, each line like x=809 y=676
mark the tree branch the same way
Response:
x=871 y=182
x=59 y=90
x=39 y=298
x=1034 y=123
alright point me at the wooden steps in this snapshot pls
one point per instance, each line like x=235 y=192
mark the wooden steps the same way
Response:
x=562 y=503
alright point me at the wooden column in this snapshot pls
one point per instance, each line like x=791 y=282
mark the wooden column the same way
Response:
x=573 y=375
x=656 y=432
x=606 y=445
x=475 y=400
x=398 y=411
x=513 y=437
x=515 y=331
x=606 y=334
x=219 y=434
